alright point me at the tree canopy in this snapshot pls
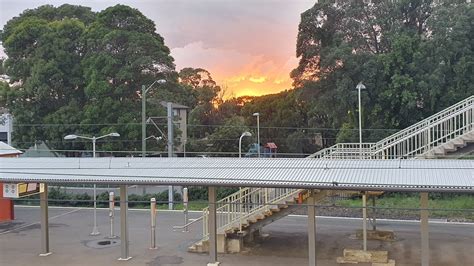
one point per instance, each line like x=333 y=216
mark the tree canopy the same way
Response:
x=83 y=72
x=77 y=71
x=414 y=57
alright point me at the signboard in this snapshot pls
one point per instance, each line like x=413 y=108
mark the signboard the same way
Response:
x=19 y=190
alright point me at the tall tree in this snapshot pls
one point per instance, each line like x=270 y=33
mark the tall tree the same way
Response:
x=83 y=71
x=412 y=55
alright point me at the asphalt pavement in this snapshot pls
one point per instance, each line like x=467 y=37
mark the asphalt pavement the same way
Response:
x=285 y=242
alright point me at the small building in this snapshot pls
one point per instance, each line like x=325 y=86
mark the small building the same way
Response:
x=6 y=126
x=270 y=150
x=6 y=205
x=40 y=149
x=8 y=151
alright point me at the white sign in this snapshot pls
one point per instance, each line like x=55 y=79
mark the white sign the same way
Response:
x=18 y=190
x=10 y=190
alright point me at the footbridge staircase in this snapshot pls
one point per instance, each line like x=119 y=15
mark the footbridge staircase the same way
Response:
x=436 y=136
x=242 y=214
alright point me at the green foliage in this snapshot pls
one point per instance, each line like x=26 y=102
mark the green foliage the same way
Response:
x=83 y=71
x=413 y=56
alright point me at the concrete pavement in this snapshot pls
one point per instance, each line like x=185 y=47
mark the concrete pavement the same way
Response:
x=451 y=244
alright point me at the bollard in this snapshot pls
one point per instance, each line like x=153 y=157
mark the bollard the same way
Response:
x=153 y=223
x=185 y=209
x=111 y=214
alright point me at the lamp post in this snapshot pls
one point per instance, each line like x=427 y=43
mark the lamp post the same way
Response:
x=258 y=133
x=95 y=229
x=360 y=87
x=144 y=91
x=245 y=134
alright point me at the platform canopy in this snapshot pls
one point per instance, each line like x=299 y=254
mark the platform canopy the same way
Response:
x=385 y=175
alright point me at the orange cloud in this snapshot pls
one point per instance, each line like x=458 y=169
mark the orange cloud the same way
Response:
x=257 y=80
x=239 y=72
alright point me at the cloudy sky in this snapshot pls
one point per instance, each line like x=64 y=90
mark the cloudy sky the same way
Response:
x=247 y=45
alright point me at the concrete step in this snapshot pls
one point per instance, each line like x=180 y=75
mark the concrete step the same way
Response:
x=459 y=143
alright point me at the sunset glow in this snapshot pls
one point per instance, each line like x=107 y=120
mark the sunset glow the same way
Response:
x=248 y=46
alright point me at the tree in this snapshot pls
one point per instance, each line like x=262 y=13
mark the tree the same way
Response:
x=206 y=92
x=82 y=72
x=414 y=57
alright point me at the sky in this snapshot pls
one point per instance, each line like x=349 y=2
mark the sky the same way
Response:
x=247 y=45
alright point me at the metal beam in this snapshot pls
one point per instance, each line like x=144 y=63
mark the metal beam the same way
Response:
x=123 y=223
x=425 y=245
x=311 y=230
x=44 y=222
x=212 y=226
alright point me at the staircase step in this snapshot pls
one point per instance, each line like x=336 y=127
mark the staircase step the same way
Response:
x=459 y=143
x=275 y=209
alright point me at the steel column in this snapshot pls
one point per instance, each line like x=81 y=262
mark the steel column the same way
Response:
x=425 y=245
x=44 y=222
x=212 y=225
x=153 y=223
x=123 y=223
x=169 y=107
x=311 y=230
x=364 y=219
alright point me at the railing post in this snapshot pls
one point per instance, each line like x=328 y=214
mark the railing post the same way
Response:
x=185 y=208
x=266 y=199
x=240 y=210
x=153 y=222
x=112 y=214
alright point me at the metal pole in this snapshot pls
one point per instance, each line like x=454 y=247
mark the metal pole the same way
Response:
x=185 y=208
x=143 y=121
x=364 y=219
x=153 y=223
x=112 y=214
x=10 y=129
x=425 y=245
x=44 y=222
x=258 y=134
x=169 y=106
x=240 y=210
x=212 y=225
x=374 y=213
x=123 y=223
x=360 y=126
x=311 y=230
x=240 y=146
x=95 y=229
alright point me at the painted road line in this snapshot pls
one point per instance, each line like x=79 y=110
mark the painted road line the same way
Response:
x=28 y=225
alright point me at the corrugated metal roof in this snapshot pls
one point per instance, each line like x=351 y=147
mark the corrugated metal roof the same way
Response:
x=6 y=149
x=395 y=175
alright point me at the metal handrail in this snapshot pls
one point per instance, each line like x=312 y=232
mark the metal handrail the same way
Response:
x=188 y=224
x=418 y=139
x=235 y=209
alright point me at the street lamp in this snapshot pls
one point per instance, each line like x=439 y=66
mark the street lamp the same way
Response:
x=144 y=91
x=245 y=134
x=95 y=229
x=360 y=87
x=258 y=132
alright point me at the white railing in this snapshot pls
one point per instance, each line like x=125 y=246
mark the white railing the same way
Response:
x=417 y=139
x=234 y=210
x=345 y=151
